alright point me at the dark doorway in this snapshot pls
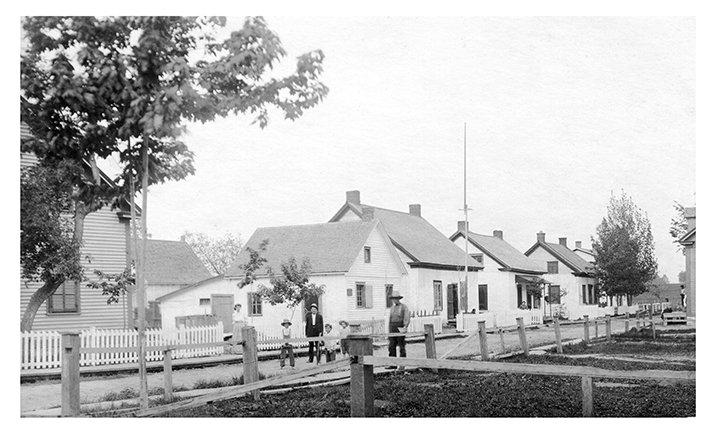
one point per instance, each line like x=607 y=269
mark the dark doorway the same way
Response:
x=452 y=301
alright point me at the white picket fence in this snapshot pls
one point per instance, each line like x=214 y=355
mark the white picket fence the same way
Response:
x=41 y=349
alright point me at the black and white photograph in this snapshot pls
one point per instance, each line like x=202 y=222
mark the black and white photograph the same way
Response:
x=312 y=214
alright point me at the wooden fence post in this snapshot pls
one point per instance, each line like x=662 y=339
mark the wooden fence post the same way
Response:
x=168 y=387
x=70 y=374
x=501 y=338
x=483 y=340
x=362 y=398
x=557 y=331
x=522 y=335
x=250 y=358
x=595 y=327
x=430 y=345
x=354 y=328
x=627 y=325
x=652 y=324
x=586 y=337
x=587 y=396
x=608 y=328
x=638 y=321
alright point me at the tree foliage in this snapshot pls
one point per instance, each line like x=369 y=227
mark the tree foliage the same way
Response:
x=114 y=286
x=624 y=249
x=254 y=263
x=678 y=226
x=216 y=254
x=126 y=87
x=48 y=250
x=291 y=286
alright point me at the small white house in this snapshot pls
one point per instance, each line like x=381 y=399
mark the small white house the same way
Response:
x=573 y=283
x=355 y=261
x=213 y=296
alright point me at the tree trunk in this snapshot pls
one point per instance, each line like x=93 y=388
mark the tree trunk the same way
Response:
x=39 y=297
x=49 y=287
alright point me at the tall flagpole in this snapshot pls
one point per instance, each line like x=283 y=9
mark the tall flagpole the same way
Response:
x=466 y=223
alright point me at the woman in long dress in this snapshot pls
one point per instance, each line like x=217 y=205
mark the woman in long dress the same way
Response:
x=239 y=322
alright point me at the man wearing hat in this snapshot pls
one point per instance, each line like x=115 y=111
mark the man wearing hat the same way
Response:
x=313 y=328
x=399 y=320
x=286 y=347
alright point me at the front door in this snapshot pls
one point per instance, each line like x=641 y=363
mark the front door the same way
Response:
x=222 y=309
x=452 y=301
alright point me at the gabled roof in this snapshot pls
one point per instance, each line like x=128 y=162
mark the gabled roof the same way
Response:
x=330 y=247
x=572 y=260
x=502 y=252
x=184 y=289
x=415 y=237
x=173 y=263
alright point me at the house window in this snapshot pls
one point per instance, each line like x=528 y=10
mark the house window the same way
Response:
x=437 y=289
x=363 y=295
x=388 y=293
x=204 y=301
x=483 y=298
x=555 y=294
x=478 y=257
x=592 y=294
x=552 y=267
x=367 y=255
x=255 y=304
x=65 y=299
x=519 y=296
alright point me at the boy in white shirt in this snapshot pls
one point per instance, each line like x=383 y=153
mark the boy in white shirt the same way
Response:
x=332 y=345
x=286 y=347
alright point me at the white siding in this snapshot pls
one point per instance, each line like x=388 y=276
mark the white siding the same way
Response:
x=105 y=244
x=382 y=270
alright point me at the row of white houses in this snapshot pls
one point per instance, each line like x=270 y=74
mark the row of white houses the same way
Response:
x=364 y=253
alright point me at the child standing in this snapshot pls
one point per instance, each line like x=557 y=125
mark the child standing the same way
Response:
x=344 y=332
x=286 y=347
x=333 y=345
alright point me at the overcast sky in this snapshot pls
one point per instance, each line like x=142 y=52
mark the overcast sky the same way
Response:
x=560 y=114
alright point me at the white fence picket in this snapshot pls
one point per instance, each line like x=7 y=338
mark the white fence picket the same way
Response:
x=40 y=349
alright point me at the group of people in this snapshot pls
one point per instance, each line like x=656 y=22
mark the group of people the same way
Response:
x=336 y=341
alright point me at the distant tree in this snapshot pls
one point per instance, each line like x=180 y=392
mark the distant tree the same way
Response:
x=665 y=279
x=678 y=226
x=625 y=260
x=291 y=286
x=217 y=254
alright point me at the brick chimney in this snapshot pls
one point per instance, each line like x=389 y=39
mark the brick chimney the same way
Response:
x=562 y=241
x=416 y=209
x=183 y=238
x=578 y=244
x=368 y=213
x=499 y=234
x=460 y=226
x=541 y=237
x=353 y=196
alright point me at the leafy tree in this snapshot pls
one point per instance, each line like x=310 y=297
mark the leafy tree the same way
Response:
x=291 y=286
x=49 y=252
x=254 y=263
x=216 y=254
x=623 y=247
x=678 y=226
x=126 y=86
x=682 y=276
x=114 y=286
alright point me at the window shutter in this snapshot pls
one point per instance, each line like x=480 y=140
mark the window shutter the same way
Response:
x=368 y=296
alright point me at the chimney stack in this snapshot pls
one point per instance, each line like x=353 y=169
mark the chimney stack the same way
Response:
x=562 y=241
x=353 y=196
x=460 y=226
x=416 y=209
x=183 y=238
x=541 y=237
x=368 y=213
x=499 y=234
x=578 y=244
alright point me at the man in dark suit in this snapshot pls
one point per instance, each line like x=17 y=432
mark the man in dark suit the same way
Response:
x=313 y=328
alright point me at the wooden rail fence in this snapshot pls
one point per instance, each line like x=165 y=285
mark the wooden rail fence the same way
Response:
x=361 y=366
